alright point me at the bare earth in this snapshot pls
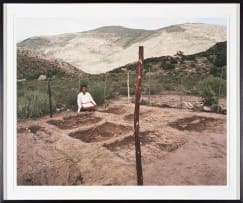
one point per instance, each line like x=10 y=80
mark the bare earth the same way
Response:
x=179 y=147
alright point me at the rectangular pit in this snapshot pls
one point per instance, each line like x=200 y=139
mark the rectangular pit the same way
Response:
x=151 y=146
x=101 y=133
x=72 y=122
x=195 y=123
x=129 y=142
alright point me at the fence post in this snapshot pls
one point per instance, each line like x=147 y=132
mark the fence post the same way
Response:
x=136 y=118
x=149 y=86
x=181 y=95
x=128 y=87
x=50 y=101
x=105 y=87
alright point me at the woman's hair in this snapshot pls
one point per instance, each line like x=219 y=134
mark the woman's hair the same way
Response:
x=81 y=87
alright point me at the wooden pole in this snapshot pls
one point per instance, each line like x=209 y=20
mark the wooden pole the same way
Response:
x=149 y=86
x=50 y=101
x=181 y=95
x=105 y=87
x=136 y=118
x=128 y=87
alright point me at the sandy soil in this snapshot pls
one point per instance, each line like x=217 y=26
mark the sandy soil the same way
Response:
x=179 y=147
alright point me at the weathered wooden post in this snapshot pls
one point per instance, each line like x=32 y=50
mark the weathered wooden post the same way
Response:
x=136 y=118
x=149 y=100
x=50 y=101
x=105 y=87
x=181 y=92
x=128 y=87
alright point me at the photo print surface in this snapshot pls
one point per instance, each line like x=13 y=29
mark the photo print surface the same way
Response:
x=76 y=96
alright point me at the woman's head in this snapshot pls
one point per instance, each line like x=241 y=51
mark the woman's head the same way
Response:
x=83 y=88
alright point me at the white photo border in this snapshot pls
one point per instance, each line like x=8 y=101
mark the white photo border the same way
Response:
x=231 y=191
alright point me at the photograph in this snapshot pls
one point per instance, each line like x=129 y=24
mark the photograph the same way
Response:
x=76 y=96
x=121 y=101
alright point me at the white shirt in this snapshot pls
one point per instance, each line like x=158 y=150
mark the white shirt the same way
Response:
x=85 y=101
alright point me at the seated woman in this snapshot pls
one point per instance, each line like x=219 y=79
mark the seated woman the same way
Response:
x=84 y=100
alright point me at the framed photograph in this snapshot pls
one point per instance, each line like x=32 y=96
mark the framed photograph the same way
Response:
x=121 y=101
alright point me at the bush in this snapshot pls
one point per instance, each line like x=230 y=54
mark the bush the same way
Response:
x=97 y=93
x=173 y=61
x=216 y=71
x=83 y=82
x=193 y=65
x=220 y=59
x=33 y=104
x=168 y=66
x=190 y=57
x=209 y=87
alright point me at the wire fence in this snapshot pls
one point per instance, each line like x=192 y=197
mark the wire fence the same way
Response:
x=160 y=90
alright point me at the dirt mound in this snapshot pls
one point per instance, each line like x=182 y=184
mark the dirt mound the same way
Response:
x=128 y=142
x=53 y=175
x=151 y=145
x=170 y=147
x=194 y=123
x=32 y=129
x=74 y=121
x=100 y=133
x=141 y=115
x=114 y=110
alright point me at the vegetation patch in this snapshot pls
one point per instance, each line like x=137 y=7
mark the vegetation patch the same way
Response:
x=33 y=104
x=211 y=89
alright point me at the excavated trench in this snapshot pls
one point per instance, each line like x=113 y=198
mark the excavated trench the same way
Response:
x=72 y=122
x=101 y=133
x=194 y=123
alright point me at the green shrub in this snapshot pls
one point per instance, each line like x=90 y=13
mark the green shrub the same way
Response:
x=218 y=71
x=168 y=66
x=33 y=104
x=97 y=93
x=220 y=59
x=173 y=61
x=190 y=57
x=83 y=81
x=193 y=65
x=209 y=89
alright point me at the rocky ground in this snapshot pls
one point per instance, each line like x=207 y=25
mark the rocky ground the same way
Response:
x=179 y=147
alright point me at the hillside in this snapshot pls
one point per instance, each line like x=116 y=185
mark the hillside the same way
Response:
x=31 y=64
x=209 y=62
x=106 y=48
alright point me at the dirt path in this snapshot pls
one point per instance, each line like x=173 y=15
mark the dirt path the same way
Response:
x=179 y=147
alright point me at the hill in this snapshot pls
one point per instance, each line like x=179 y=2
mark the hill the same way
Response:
x=31 y=64
x=209 y=62
x=106 y=48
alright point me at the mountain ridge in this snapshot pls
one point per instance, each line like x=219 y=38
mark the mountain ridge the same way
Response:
x=108 y=47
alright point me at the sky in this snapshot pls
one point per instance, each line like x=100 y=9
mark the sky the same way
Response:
x=91 y=18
